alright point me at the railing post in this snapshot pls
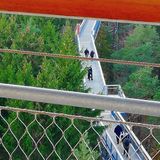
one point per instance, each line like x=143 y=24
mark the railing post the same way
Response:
x=78 y=29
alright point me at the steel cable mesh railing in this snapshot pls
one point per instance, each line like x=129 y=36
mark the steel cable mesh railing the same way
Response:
x=29 y=134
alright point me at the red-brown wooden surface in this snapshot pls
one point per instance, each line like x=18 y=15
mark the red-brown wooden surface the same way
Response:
x=135 y=10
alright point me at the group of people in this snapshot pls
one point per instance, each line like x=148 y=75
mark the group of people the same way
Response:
x=124 y=138
x=86 y=52
x=90 y=71
x=118 y=129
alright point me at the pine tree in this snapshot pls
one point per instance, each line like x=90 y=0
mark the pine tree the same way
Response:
x=139 y=46
x=83 y=152
x=142 y=84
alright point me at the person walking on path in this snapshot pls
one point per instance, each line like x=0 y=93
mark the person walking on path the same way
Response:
x=90 y=74
x=126 y=142
x=92 y=54
x=86 y=52
x=118 y=130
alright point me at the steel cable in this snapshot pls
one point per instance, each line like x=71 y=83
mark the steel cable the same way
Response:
x=115 y=61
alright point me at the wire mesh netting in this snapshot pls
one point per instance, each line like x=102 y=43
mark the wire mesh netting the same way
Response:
x=29 y=134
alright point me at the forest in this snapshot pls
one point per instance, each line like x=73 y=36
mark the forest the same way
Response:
x=43 y=35
x=131 y=42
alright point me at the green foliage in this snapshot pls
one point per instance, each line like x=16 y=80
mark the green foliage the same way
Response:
x=157 y=95
x=47 y=75
x=141 y=35
x=142 y=53
x=104 y=46
x=50 y=37
x=103 y=41
x=83 y=151
x=141 y=45
x=141 y=84
x=7 y=30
